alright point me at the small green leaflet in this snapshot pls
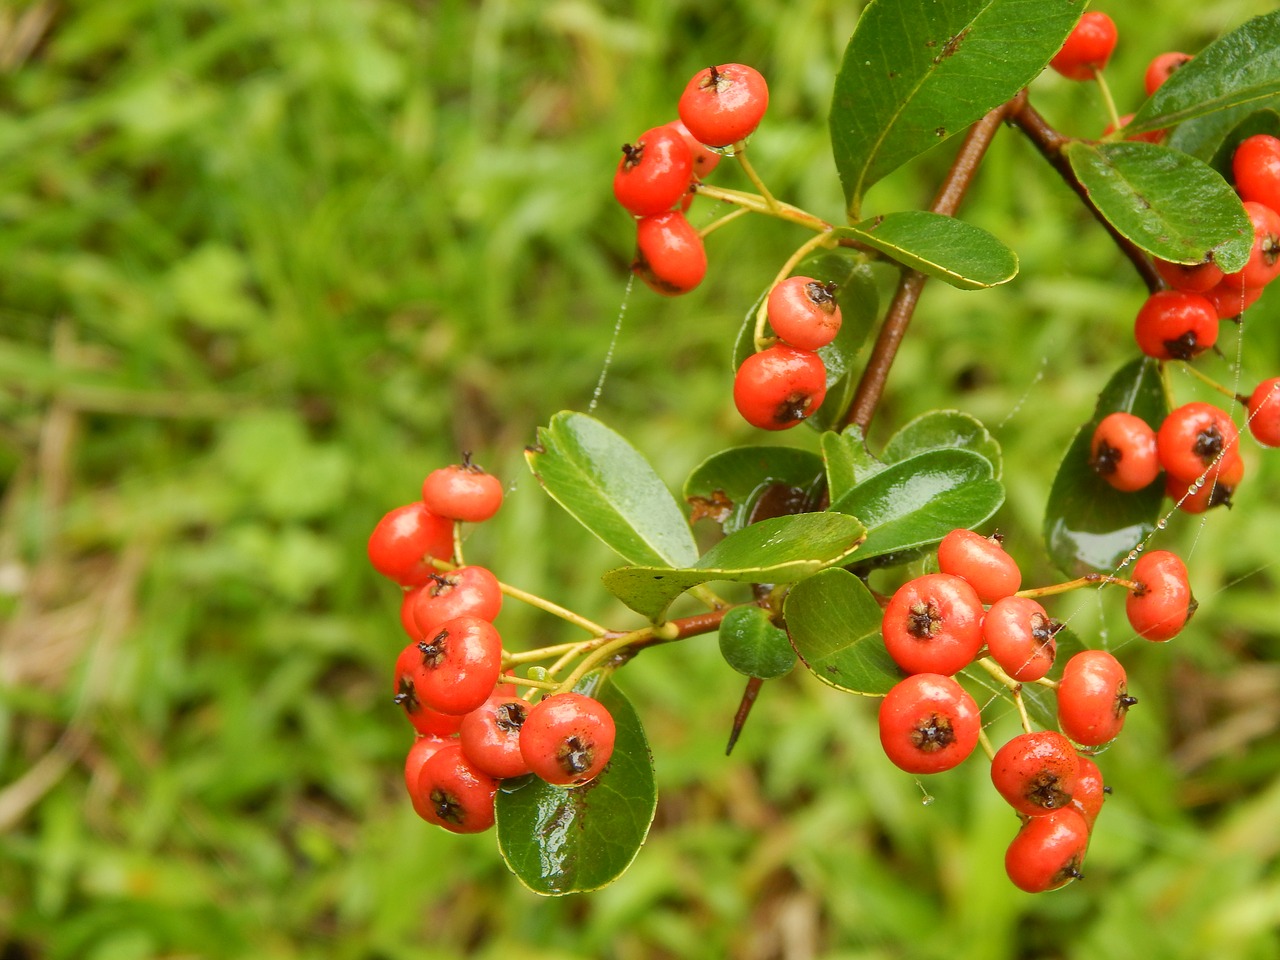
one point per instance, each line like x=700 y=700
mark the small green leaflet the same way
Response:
x=777 y=550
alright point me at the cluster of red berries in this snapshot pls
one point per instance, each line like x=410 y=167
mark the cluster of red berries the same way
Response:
x=785 y=383
x=937 y=624
x=472 y=729
x=655 y=179
x=1181 y=323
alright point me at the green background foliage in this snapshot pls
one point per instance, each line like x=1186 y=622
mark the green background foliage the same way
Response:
x=265 y=264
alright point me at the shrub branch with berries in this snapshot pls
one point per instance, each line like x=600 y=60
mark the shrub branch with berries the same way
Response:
x=543 y=743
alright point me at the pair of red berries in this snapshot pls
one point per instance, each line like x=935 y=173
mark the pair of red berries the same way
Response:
x=1058 y=794
x=1197 y=446
x=780 y=386
x=565 y=739
x=721 y=106
x=407 y=539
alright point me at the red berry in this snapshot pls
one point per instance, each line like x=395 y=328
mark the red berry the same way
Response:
x=1093 y=698
x=1162 y=68
x=1048 y=851
x=804 y=312
x=490 y=735
x=670 y=257
x=426 y=720
x=1194 y=440
x=1123 y=451
x=1197 y=496
x=1173 y=325
x=1256 y=168
x=928 y=723
x=1087 y=49
x=406 y=539
x=724 y=104
x=423 y=749
x=1090 y=793
x=981 y=561
x=933 y=624
x=1019 y=637
x=704 y=160
x=777 y=388
x=469 y=591
x=654 y=172
x=567 y=738
x=458 y=665
x=1189 y=277
x=1230 y=298
x=1264 y=412
x=1036 y=772
x=1264 y=256
x=452 y=793
x=462 y=491
x=1163 y=604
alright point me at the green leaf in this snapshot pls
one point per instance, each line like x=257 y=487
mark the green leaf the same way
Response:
x=920 y=500
x=834 y=625
x=955 y=252
x=608 y=487
x=778 y=550
x=560 y=840
x=1240 y=70
x=847 y=460
x=943 y=430
x=752 y=645
x=916 y=72
x=857 y=295
x=742 y=483
x=1090 y=527
x=1170 y=204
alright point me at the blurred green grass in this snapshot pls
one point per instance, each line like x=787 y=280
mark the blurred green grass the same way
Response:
x=267 y=264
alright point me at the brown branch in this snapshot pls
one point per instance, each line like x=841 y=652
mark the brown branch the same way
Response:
x=1050 y=144
x=903 y=306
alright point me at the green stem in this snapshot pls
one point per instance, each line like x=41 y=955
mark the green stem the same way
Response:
x=740 y=154
x=728 y=218
x=1088 y=580
x=1209 y=381
x=533 y=600
x=758 y=204
x=1107 y=99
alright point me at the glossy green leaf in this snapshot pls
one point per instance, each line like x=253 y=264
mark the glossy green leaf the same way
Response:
x=1090 y=527
x=920 y=500
x=733 y=485
x=834 y=625
x=611 y=490
x=752 y=645
x=558 y=840
x=955 y=252
x=859 y=306
x=1170 y=204
x=1238 y=71
x=944 y=430
x=916 y=72
x=847 y=460
x=778 y=550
